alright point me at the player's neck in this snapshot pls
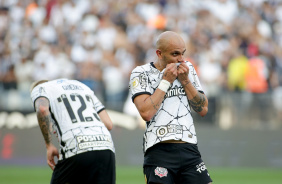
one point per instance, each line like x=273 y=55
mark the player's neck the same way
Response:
x=159 y=66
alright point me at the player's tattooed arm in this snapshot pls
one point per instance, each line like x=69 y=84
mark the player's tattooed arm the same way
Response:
x=198 y=102
x=156 y=105
x=148 y=105
x=44 y=118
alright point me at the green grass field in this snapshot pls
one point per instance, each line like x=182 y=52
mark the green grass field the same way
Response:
x=133 y=175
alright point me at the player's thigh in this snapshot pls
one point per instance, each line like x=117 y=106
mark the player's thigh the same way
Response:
x=106 y=173
x=197 y=174
x=64 y=171
x=158 y=175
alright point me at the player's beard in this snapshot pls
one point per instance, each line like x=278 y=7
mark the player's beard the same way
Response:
x=166 y=61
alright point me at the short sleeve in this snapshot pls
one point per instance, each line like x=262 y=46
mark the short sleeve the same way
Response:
x=138 y=83
x=38 y=91
x=194 y=77
x=98 y=104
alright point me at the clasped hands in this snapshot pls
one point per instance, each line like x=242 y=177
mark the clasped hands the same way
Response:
x=172 y=71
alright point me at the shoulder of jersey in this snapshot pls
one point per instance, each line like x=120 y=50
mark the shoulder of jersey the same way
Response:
x=36 y=88
x=142 y=67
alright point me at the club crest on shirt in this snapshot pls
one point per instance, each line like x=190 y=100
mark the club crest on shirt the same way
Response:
x=161 y=172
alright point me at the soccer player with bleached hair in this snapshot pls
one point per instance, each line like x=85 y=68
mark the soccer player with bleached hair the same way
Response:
x=71 y=109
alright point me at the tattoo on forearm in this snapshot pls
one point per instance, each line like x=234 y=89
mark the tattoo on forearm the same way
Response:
x=154 y=104
x=44 y=120
x=186 y=83
x=44 y=123
x=198 y=102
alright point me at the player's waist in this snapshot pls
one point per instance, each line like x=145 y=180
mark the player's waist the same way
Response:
x=173 y=141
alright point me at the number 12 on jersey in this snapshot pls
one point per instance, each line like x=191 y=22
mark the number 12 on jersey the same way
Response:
x=83 y=107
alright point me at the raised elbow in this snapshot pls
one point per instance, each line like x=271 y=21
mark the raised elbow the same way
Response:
x=204 y=109
x=203 y=112
x=146 y=118
x=110 y=127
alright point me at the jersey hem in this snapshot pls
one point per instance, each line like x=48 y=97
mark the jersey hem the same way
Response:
x=137 y=94
x=101 y=110
x=36 y=99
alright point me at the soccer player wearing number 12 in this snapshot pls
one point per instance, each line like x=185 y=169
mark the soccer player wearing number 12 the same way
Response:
x=74 y=113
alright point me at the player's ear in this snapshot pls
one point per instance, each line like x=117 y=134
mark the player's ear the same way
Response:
x=158 y=52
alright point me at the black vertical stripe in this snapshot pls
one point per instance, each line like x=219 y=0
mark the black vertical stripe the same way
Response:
x=56 y=122
x=60 y=132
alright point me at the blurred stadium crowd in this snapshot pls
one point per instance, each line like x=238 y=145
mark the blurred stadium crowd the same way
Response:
x=235 y=45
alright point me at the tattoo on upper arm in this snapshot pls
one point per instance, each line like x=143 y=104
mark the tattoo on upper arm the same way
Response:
x=198 y=102
x=44 y=120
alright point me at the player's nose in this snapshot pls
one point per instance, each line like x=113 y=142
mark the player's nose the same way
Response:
x=180 y=58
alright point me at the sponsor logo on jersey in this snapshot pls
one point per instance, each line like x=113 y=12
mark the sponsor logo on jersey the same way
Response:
x=201 y=167
x=176 y=91
x=163 y=130
x=88 y=141
x=72 y=87
x=161 y=172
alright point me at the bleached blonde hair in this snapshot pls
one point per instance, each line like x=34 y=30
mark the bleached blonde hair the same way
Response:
x=36 y=83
